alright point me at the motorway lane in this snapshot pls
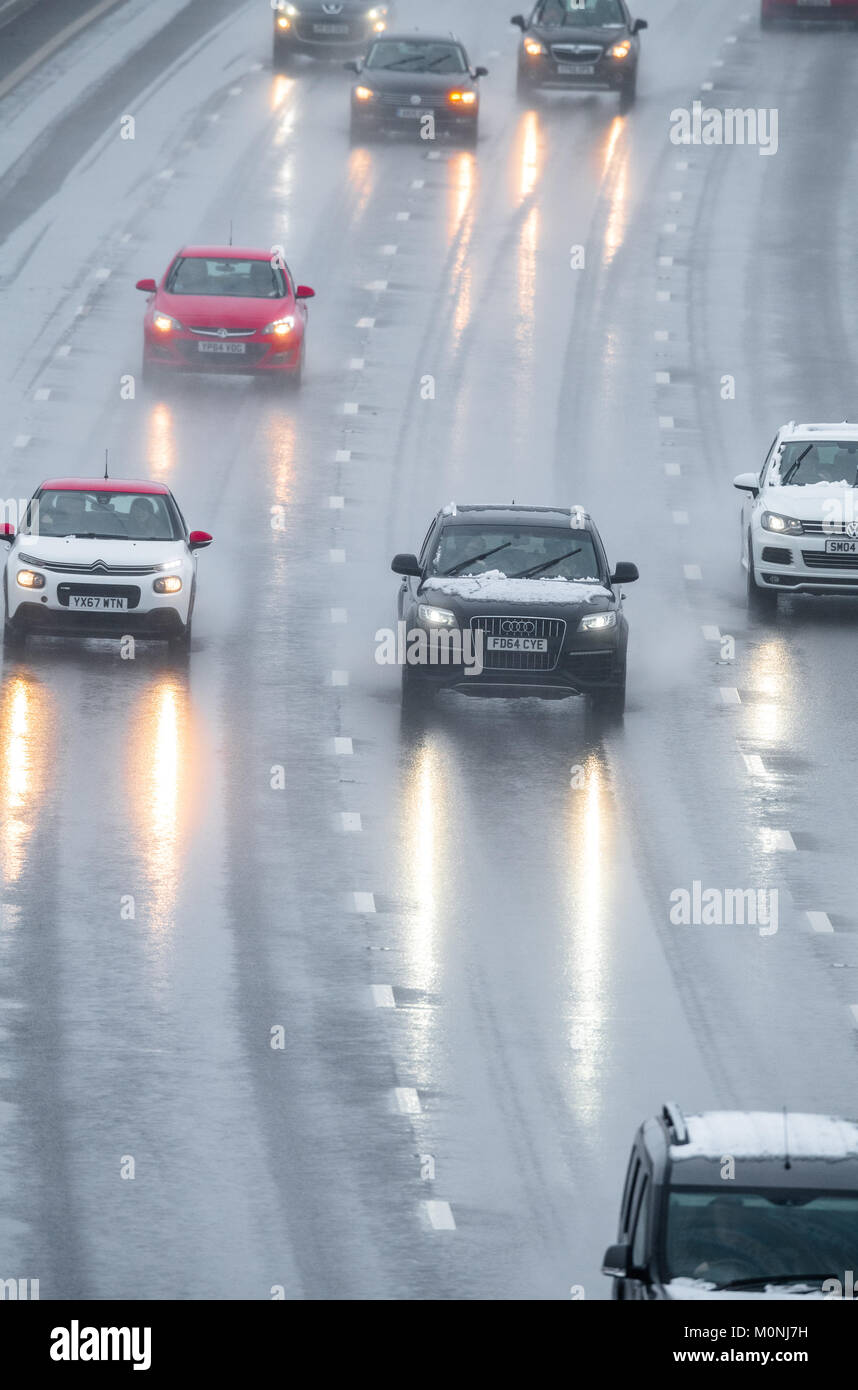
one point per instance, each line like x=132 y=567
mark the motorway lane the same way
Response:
x=543 y=1004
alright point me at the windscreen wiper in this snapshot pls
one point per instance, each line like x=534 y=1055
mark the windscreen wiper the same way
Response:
x=793 y=466
x=546 y=565
x=472 y=559
x=776 y=1279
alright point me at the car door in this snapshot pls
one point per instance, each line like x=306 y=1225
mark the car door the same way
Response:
x=752 y=504
x=639 y=1232
x=408 y=588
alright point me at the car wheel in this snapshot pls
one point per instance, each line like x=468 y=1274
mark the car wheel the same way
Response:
x=282 y=55
x=610 y=701
x=523 y=86
x=180 y=643
x=628 y=93
x=14 y=638
x=151 y=374
x=360 y=132
x=761 y=601
x=470 y=138
x=417 y=695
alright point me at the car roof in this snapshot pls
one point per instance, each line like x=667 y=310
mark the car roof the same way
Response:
x=418 y=35
x=227 y=253
x=506 y=513
x=104 y=485
x=765 y=1134
x=843 y=429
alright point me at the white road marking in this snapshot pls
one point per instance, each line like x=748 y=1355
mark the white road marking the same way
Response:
x=669 y=228
x=418 y=183
x=21 y=441
x=403 y=217
x=729 y=695
x=64 y=350
x=676 y=196
x=711 y=634
x=682 y=165
x=377 y=286
x=672 y=470
x=777 y=841
x=662 y=378
x=43 y=394
x=337 y=557
x=754 y=764
x=336 y=503
x=104 y=273
x=665 y=261
x=662 y=296
x=389 y=250
x=343 y=747
x=53 y=44
x=351 y=408
x=214 y=116
x=732 y=38
x=692 y=572
x=356 y=364
x=365 y=323
x=343 y=456
x=680 y=518
x=364 y=902
x=235 y=91
x=166 y=174
x=661 y=335
x=382 y=997
x=126 y=237
x=665 y=422
x=440 y=1215
x=339 y=678
x=820 y=921
x=350 y=822
x=339 y=615
x=407 y=1100
x=707 y=86
x=853 y=1009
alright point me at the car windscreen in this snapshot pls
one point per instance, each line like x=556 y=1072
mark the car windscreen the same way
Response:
x=107 y=515
x=825 y=461
x=227 y=279
x=535 y=552
x=750 y=1236
x=582 y=14
x=395 y=55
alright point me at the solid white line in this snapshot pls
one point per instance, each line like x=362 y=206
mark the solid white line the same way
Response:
x=336 y=503
x=339 y=615
x=350 y=822
x=364 y=902
x=754 y=764
x=382 y=997
x=337 y=557
x=440 y=1216
x=365 y=323
x=729 y=695
x=820 y=921
x=711 y=634
x=53 y=44
x=692 y=572
x=407 y=1100
x=339 y=678
x=343 y=747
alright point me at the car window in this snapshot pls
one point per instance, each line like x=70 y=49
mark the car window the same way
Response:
x=639 y=1235
x=768 y=459
x=519 y=552
x=804 y=463
x=582 y=14
x=426 y=539
x=630 y=1192
x=102 y=514
x=405 y=55
x=228 y=279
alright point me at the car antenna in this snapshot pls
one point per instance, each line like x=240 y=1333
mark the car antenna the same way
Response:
x=230 y=231
x=106 y=457
x=787 y=1163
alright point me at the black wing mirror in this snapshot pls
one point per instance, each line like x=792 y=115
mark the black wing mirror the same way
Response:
x=481 y=72
x=638 y=25
x=406 y=564
x=625 y=573
x=353 y=65
x=519 y=21
x=617 y=1262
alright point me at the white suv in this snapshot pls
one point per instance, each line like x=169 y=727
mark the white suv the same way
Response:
x=800 y=515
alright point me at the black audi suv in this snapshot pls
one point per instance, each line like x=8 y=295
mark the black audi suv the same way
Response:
x=326 y=27
x=418 y=82
x=584 y=45
x=512 y=601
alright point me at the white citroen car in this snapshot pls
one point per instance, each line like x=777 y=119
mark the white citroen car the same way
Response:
x=800 y=515
x=101 y=558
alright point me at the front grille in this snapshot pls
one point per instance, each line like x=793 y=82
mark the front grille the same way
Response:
x=224 y=332
x=251 y=354
x=818 y=560
x=826 y=528
x=397 y=99
x=129 y=591
x=774 y=555
x=576 y=52
x=97 y=567
x=552 y=628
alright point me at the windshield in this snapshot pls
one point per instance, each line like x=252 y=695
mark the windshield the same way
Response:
x=751 y=1237
x=130 y=516
x=519 y=552
x=406 y=56
x=230 y=279
x=583 y=14
x=803 y=463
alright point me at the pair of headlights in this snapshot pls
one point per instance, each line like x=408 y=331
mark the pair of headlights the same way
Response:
x=536 y=49
x=443 y=617
x=166 y=584
x=281 y=328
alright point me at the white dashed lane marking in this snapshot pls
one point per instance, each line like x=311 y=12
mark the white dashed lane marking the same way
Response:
x=339 y=678
x=820 y=921
x=365 y=323
x=382 y=997
x=440 y=1214
x=363 y=902
x=339 y=615
x=711 y=634
x=350 y=822
x=343 y=747
x=343 y=456
x=337 y=557
x=754 y=764
x=779 y=840
x=692 y=571
x=407 y=1100
x=729 y=695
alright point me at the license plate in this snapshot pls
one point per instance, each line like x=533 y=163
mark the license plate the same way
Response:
x=841 y=547
x=577 y=69
x=518 y=644
x=235 y=348
x=412 y=113
x=330 y=28
x=107 y=604
x=816 y=3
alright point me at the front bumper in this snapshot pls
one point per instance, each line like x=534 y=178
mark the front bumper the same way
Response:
x=585 y=664
x=338 y=37
x=49 y=610
x=157 y=625
x=370 y=116
x=800 y=564
x=545 y=70
x=789 y=9
x=188 y=352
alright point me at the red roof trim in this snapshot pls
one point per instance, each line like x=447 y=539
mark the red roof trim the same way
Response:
x=103 y=485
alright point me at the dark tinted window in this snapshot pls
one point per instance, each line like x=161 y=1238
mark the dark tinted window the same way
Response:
x=539 y=552
x=826 y=461
x=229 y=279
x=405 y=55
x=584 y=14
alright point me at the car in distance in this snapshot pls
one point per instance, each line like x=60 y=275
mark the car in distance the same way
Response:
x=98 y=557
x=782 y=1223
x=533 y=588
x=799 y=522
x=773 y=10
x=226 y=309
x=579 y=45
x=322 y=28
x=416 y=82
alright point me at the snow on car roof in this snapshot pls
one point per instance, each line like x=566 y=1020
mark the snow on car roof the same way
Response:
x=760 y=1134
x=495 y=587
x=838 y=429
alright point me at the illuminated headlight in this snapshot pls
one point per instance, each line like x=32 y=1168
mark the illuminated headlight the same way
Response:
x=435 y=617
x=364 y=93
x=534 y=47
x=165 y=324
x=465 y=98
x=377 y=12
x=783 y=525
x=597 y=622
x=169 y=584
x=622 y=50
x=283 y=22
x=281 y=328
x=283 y=7
x=28 y=579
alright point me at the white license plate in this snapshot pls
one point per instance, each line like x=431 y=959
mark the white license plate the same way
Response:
x=577 y=69
x=235 y=348
x=815 y=3
x=518 y=644
x=330 y=28
x=109 y=603
x=841 y=547
x=412 y=113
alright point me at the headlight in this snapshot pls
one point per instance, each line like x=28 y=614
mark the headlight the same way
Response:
x=533 y=47
x=283 y=22
x=364 y=93
x=165 y=324
x=597 y=622
x=281 y=328
x=28 y=579
x=622 y=50
x=466 y=98
x=377 y=12
x=435 y=617
x=283 y=7
x=773 y=521
x=170 y=584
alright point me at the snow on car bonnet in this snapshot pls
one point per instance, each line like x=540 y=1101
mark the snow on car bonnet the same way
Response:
x=496 y=587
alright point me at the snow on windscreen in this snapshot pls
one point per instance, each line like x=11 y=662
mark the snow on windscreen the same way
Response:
x=496 y=587
x=815 y=465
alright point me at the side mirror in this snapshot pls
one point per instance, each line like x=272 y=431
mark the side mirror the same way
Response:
x=406 y=564
x=519 y=21
x=147 y=286
x=304 y=292
x=7 y=532
x=353 y=65
x=197 y=540
x=481 y=72
x=617 y=1263
x=624 y=573
x=748 y=482
x=638 y=25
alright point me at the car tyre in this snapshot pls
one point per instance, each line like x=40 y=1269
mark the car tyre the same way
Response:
x=470 y=138
x=610 y=702
x=179 y=644
x=524 y=88
x=14 y=638
x=360 y=132
x=628 y=93
x=282 y=55
x=417 y=696
x=152 y=374
x=763 y=602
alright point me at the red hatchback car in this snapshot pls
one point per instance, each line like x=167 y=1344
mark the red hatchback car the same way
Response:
x=225 y=309
x=773 y=10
